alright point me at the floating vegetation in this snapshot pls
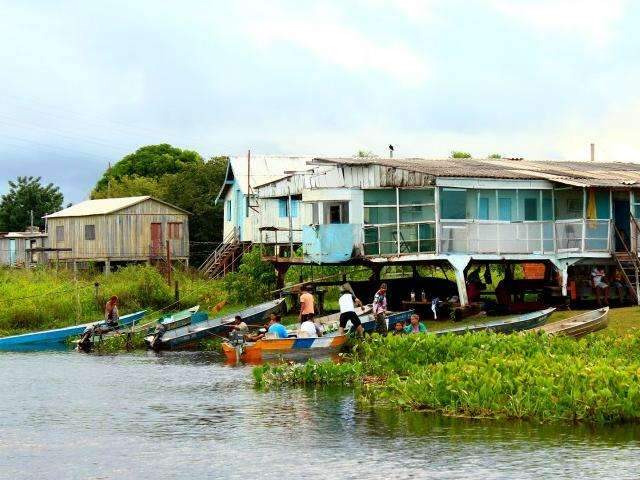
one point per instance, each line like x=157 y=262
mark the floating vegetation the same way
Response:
x=535 y=377
x=121 y=342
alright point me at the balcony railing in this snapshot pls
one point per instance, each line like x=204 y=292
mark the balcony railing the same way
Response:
x=524 y=237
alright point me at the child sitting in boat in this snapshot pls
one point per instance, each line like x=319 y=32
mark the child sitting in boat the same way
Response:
x=308 y=329
x=276 y=329
x=398 y=328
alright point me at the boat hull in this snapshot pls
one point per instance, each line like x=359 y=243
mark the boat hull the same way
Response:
x=58 y=335
x=189 y=336
x=579 y=325
x=509 y=325
x=269 y=348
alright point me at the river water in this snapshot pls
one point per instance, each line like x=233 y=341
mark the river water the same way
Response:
x=67 y=415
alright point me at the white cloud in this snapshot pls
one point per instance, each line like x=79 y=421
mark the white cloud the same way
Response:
x=327 y=36
x=592 y=20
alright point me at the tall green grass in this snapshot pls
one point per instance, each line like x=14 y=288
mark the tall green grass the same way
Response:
x=531 y=376
x=45 y=298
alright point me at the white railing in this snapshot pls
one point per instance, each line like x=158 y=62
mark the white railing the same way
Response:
x=409 y=239
x=524 y=237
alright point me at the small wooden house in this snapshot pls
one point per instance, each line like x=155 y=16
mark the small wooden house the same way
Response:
x=130 y=229
x=22 y=249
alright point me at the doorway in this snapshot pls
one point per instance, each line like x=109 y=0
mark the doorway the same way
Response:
x=156 y=239
x=621 y=220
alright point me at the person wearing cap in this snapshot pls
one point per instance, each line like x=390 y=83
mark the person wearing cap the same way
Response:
x=380 y=308
x=348 y=302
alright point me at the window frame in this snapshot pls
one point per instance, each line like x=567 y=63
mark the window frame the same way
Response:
x=171 y=227
x=59 y=233
x=90 y=228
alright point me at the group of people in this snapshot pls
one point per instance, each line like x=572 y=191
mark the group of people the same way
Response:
x=348 y=302
x=601 y=285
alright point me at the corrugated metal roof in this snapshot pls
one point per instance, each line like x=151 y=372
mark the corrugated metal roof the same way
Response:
x=603 y=174
x=104 y=206
x=264 y=169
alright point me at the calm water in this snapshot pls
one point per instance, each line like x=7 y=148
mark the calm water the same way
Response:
x=67 y=415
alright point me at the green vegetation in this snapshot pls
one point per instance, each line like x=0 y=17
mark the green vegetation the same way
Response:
x=180 y=177
x=25 y=195
x=44 y=298
x=121 y=342
x=459 y=154
x=536 y=377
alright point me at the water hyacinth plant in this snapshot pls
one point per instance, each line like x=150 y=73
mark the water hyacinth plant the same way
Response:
x=532 y=376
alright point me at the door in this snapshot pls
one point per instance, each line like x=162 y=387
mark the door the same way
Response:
x=156 y=239
x=241 y=211
x=12 y=252
x=621 y=219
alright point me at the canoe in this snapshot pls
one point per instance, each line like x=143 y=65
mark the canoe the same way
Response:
x=59 y=335
x=190 y=335
x=179 y=319
x=578 y=325
x=526 y=321
x=292 y=346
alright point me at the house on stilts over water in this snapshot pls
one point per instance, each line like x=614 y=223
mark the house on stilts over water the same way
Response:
x=457 y=213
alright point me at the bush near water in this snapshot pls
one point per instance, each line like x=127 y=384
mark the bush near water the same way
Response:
x=532 y=376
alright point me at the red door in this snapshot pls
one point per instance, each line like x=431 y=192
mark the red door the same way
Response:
x=156 y=239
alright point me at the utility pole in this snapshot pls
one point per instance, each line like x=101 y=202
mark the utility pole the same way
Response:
x=168 y=263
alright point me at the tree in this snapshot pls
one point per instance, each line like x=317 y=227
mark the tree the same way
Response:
x=27 y=194
x=458 y=154
x=129 y=186
x=149 y=161
x=366 y=154
x=495 y=155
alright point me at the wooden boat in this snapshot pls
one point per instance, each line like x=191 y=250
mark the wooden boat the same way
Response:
x=94 y=335
x=294 y=345
x=190 y=335
x=578 y=325
x=46 y=338
x=526 y=321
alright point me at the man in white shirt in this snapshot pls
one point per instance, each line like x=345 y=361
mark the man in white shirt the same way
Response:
x=347 y=302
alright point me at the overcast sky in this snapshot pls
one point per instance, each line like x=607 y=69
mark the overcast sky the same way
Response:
x=83 y=83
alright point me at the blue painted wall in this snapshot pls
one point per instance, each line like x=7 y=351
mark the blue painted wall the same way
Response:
x=330 y=243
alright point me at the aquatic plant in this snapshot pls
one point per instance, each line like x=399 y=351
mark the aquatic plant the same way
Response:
x=122 y=342
x=532 y=376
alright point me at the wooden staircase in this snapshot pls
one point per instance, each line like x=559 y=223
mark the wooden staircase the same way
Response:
x=225 y=258
x=628 y=263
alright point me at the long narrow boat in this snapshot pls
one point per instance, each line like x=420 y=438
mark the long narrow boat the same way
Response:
x=189 y=336
x=578 y=325
x=305 y=347
x=46 y=338
x=505 y=325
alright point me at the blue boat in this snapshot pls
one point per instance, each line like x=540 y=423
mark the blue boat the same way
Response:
x=51 y=338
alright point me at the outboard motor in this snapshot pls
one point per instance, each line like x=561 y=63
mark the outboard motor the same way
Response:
x=236 y=339
x=85 y=342
x=157 y=336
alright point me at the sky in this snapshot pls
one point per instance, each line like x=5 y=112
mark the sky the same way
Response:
x=84 y=83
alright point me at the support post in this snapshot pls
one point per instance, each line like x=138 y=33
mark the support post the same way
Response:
x=281 y=271
x=107 y=266
x=168 y=262
x=459 y=263
x=176 y=291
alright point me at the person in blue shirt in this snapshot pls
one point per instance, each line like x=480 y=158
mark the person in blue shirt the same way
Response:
x=276 y=328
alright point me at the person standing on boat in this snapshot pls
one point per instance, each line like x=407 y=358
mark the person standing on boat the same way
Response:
x=415 y=326
x=380 y=308
x=307 y=304
x=347 y=302
x=111 y=316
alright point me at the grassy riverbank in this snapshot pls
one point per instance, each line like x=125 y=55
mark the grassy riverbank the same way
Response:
x=45 y=298
x=536 y=377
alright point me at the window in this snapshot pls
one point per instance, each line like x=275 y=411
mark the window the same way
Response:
x=453 y=203
x=89 y=232
x=568 y=203
x=60 y=233
x=530 y=209
x=283 y=207
x=336 y=212
x=295 y=207
x=228 y=210
x=504 y=209
x=175 y=230
x=483 y=208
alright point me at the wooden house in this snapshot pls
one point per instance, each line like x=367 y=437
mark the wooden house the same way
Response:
x=23 y=249
x=130 y=229
x=464 y=212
